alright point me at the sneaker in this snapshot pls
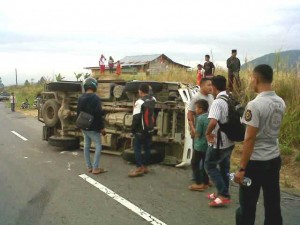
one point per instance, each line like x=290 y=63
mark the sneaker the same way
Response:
x=89 y=170
x=98 y=170
x=137 y=172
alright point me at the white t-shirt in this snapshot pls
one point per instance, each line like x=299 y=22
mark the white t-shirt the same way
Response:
x=13 y=99
x=198 y=96
x=219 y=112
x=265 y=112
x=102 y=61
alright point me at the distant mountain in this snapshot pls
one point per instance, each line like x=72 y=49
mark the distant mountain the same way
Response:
x=284 y=60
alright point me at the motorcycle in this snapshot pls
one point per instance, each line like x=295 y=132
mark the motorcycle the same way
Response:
x=25 y=105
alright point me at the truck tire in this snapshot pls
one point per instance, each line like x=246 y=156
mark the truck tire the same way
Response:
x=64 y=87
x=156 y=156
x=134 y=86
x=50 y=112
x=66 y=142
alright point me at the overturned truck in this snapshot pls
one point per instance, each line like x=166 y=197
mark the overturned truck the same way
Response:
x=171 y=142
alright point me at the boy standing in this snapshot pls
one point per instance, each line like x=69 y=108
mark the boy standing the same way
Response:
x=200 y=146
x=209 y=68
x=217 y=162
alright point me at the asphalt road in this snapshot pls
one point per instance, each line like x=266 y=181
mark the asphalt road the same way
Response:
x=40 y=184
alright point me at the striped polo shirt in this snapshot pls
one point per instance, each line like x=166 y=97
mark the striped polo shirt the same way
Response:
x=219 y=112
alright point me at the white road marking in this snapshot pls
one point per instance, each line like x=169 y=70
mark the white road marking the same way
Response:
x=19 y=135
x=25 y=157
x=123 y=201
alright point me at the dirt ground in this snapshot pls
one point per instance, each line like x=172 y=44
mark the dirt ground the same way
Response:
x=290 y=171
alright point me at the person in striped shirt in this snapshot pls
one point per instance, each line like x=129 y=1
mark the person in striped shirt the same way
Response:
x=217 y=162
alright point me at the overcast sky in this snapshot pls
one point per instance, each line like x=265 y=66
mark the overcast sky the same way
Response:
x=43 y=38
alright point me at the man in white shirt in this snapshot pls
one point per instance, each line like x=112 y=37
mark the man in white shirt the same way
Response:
x=205 y=93
x=217 y=162
x=260 y=159
x=13 y=101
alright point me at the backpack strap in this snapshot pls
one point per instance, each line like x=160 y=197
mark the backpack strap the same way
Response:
x=219 y=136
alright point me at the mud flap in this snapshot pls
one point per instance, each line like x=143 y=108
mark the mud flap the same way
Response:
x=47 y=132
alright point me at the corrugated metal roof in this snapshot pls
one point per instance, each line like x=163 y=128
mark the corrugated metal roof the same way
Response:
x=138 y=59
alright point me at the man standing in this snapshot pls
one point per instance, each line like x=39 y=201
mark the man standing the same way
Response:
x=234 y=66
x=204 y=93
x=209 y=68
x=90 y=103
x=261 y=155
x=142 y=129
x=13 y=101
x=217 y=162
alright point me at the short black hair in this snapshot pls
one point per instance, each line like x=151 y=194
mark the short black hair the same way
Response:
x=219 y=82
x=265 y=72
x=207 y=56
x=199 y=65
x=203 y=80
x=144 y=88
x=203 y=104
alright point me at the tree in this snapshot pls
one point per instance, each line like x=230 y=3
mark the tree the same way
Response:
x=59 y=77
x=78 y=75
x=42 y=80
x=26 y=83
x=1 y=84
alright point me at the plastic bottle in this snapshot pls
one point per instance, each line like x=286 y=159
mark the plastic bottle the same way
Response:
x=246 y=182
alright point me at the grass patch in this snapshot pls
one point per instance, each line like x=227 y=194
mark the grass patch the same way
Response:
x=286 y=150
x=297 y=159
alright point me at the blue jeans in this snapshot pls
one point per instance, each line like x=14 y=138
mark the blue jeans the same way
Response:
x=90 y=136
x=219 y=176
x=139 y=141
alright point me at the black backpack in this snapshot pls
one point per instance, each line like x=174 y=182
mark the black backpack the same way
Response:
x=233 y=128
x=148 y=120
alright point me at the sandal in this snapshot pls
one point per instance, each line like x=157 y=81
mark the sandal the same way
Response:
x=212 y=196
x=218 y=202
x=196 y=187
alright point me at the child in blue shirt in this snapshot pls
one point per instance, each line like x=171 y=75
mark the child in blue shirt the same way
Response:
x=200 y=146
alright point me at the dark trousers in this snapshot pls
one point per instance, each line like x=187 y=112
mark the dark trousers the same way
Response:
x=265 y=175
x=200 y=174
x=12 y=106
x=231 y=77
x=139 y=142
x=217 y=165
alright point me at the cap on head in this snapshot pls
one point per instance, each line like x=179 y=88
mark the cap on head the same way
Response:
x=90 y=83
x=233 y=51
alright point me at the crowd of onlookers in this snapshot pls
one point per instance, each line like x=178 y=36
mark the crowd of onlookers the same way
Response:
x=111 y=65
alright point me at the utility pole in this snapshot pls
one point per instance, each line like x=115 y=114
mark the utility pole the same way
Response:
x=16 y=77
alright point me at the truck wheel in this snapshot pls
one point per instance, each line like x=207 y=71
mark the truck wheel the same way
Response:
x=50 y=112
x=156 y=157
x=65 y=87
x=66 y=142
x=134 y=86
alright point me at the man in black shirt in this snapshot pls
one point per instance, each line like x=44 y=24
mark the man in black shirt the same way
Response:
x=90 y=103
x=209 y=68
x=234 y=66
